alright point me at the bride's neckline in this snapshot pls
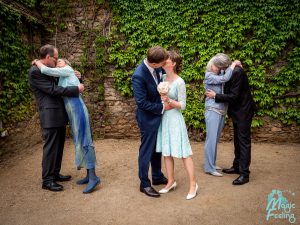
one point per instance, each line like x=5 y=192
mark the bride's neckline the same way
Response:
x=171 y=82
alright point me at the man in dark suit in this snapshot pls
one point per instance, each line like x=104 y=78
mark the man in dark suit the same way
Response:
x=149 y=112
x=53 y=117
x=241 y=110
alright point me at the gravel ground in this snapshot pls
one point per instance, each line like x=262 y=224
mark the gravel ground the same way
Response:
x=118 y=200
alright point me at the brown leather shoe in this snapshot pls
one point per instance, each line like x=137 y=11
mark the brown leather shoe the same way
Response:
x=150 y=191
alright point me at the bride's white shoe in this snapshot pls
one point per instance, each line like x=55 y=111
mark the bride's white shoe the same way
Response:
x=192 y=195
x=166 y=190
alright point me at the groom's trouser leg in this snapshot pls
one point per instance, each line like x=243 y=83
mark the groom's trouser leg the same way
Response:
x=51 y=149
x=146 y=152
x=61 y=143
x=244 y=141
x=156 y=163
x=236 y=161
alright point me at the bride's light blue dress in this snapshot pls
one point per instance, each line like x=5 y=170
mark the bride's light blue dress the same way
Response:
x=172 y=137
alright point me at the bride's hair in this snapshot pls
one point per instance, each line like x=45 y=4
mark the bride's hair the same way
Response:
x=175 y=57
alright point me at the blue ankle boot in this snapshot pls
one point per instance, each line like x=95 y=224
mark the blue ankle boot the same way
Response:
x=93 y=181
x=84 y=180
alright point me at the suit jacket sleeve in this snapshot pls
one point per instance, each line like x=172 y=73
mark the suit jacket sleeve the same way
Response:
x=140 y=95
x=234 y=91
x=42 y=83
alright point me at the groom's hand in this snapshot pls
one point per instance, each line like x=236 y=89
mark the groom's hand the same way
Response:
x=211 y=94
x=81 y=88
x=77 y=74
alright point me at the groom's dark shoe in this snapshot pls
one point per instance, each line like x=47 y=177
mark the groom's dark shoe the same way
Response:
x=150 y=191
x=52 y=186
x=160 y=181
x=241 y=180
x=61 y=178
x=231 y=170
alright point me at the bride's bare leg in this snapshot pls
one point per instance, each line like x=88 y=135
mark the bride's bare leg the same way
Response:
x=189 y=166
x=169 y=163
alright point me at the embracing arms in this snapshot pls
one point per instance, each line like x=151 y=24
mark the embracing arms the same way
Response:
x=42 y=83
x=181 y=101
x=140 y=96
x=234 y=92
x=212 y=78
x=54 y=72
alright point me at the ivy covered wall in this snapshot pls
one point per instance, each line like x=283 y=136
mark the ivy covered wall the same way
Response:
x=15 y=99
x=106 y=40
x=263 y=34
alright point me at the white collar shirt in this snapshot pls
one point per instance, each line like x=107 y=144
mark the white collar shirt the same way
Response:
x=151 y=70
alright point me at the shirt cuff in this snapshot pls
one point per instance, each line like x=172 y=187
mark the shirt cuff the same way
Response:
x=163 y=109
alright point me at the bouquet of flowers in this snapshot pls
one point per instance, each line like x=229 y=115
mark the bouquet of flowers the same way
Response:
x=163 y=87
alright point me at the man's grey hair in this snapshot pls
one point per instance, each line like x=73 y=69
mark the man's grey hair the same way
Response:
x=220 y=60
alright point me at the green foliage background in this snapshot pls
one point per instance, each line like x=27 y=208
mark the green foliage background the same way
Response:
x=15 y=97
x=263 y=34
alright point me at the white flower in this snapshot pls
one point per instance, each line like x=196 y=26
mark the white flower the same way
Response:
x=163 y=87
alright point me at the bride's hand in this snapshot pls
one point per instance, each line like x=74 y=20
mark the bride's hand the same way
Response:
x=164 y=97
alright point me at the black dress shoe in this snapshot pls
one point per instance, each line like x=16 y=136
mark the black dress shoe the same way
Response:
x=150 y=191
x=161 y=181
x=52 y=186
x=241 y=180
x=231 y=170
x=61 y=178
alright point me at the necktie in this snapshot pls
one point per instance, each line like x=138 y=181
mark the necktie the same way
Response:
x=156 y=77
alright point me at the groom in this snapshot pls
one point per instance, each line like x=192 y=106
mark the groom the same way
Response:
x=149 y=112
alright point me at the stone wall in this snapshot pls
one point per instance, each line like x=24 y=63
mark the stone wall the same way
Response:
x=120 y=113
x=115 y=116
x=73 y=43
x=121 y=122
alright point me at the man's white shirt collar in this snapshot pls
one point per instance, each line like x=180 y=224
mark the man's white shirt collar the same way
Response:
x=151 y=71
x=149 y=67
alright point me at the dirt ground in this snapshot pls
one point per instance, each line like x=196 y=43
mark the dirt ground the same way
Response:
x=118 y=200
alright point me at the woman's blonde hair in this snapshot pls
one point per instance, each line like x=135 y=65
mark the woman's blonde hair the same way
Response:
x=66 y=61
x=220 y=60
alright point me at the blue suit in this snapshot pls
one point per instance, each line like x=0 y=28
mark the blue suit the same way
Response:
x=148 y=116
